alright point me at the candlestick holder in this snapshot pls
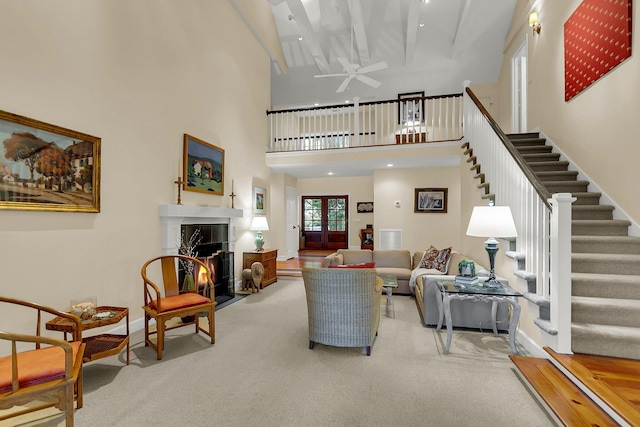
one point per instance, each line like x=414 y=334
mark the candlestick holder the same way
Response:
x=179 y=183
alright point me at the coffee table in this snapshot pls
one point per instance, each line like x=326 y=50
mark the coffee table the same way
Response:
x=390 y=281
x=451 y=290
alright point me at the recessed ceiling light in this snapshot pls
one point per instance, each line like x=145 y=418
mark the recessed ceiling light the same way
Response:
x=330 y=173
x=316 y=104
x=389 y=165
x=346 y=101
x=299 y=37
x=421 y=24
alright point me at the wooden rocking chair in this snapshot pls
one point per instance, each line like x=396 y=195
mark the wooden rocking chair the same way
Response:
x=173 y=303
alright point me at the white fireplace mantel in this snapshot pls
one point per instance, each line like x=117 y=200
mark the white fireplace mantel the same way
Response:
x=173 y=216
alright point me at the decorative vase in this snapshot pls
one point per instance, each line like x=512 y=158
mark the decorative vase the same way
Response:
x=188 y=285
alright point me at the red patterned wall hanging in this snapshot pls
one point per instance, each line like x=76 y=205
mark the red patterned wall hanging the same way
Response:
x=597 y=37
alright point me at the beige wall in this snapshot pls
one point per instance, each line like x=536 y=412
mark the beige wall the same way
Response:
x=419 y=230
x=598 y=129
x=139 y=76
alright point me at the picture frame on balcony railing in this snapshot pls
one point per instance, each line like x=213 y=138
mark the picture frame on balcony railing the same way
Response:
x=411 y=108
x=430 y=200
x=203 y=166
x=46 y=167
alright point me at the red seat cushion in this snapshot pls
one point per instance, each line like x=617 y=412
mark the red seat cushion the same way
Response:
x=35 y=366
x=360 y=265
x=180 y=301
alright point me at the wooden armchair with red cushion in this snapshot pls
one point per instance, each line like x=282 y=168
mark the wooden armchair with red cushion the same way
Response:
x=174 y=303
x=49 y=373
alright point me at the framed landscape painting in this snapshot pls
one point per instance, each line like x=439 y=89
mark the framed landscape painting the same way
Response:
x=203 y=166
x=47 y=167
x=430 y=200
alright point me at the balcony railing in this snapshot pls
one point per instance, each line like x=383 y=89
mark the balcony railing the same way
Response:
x=406 y=121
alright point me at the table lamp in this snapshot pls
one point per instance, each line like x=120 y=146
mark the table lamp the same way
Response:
x=492 y=222
x=259 y=224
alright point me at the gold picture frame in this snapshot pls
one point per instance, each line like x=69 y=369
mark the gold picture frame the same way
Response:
x=203 y=166
x=47 y=167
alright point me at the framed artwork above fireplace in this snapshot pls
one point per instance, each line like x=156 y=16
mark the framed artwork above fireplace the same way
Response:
x=203 y=166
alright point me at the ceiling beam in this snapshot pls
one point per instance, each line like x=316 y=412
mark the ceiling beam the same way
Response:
x=309 y=36
x=376 y=22
x=359 y=31
x=462 y=19
x=413 y=20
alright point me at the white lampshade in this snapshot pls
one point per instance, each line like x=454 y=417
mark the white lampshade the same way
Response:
x=259 y=223
x=492 y=221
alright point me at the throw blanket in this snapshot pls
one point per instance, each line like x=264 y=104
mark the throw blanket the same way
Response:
x=421 y=272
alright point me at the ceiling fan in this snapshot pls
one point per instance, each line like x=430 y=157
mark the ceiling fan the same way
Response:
x=354 y=71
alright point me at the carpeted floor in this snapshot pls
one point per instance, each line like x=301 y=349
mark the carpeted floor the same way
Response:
x=260 y=372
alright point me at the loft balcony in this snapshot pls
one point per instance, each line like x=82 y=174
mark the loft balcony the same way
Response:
x=416 y=131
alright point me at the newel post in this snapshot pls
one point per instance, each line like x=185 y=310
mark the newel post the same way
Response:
x=560 y=274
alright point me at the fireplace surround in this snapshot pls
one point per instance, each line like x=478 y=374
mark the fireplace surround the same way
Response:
x=218 y=227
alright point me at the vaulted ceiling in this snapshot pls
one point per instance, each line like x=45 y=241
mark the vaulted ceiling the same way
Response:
x=430 y=46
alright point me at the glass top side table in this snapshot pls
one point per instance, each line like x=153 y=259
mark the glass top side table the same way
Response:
x=451 y=290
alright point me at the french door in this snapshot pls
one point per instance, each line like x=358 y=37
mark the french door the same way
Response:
x=324 y=221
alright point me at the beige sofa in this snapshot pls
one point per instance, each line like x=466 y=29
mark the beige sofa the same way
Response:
x=464 y=313
x=392 y=261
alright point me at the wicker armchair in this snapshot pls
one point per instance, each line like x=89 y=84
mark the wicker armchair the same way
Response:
x=40 y=369
x=343 y=306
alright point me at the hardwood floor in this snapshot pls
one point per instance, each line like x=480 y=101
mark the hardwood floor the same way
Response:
x=306 y=258
x=614 y=381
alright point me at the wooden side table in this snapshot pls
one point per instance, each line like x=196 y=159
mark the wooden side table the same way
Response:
x=267 y=258
x=102 y=345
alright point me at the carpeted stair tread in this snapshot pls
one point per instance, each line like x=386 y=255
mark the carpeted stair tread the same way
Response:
x=523 y=135
x=605 y=263
x=606 y=340
x=566 y=186
x=586 y=198
x=592 y=212
x=541 y=157
x=551 y=176
x=606 y=244
x=530 y=149
x=606 y=227
x=605 y=285
x=605 y=311
x=549 y=166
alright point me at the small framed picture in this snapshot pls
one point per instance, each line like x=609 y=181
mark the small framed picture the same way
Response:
x=259 y=201
x=430 y=200
x=365 y=207
x=410 y=108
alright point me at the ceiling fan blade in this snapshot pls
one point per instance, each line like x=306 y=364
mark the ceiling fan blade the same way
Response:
x=348 y=67
x=368 y=80
x=344 y=84
x=317 y=76
x=373 y=67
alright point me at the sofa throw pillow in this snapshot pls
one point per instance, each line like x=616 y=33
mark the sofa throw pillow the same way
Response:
x=436 y=259
x=428 y=257
x=360 y=265
x=442 y=261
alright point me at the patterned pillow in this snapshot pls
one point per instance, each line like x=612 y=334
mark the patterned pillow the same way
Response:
x=442 y=261
x=428 y=257
x=436 y=259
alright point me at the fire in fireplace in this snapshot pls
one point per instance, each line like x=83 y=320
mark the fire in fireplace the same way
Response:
x=213 y=249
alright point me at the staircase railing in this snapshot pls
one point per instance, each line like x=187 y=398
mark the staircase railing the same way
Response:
x=398 y=121
x=534 y=210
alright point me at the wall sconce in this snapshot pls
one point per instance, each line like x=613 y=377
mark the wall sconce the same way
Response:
x=534 y=23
